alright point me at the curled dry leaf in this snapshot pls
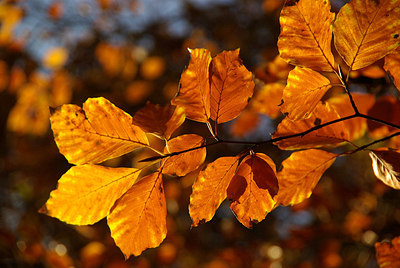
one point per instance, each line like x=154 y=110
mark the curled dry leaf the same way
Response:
x=388 y=253
x=301 y=173
x=306 y=34
x=253 y=188
x=386 y=166
x=138 y=219
x=85 y=194
x=367 y=30
x=209 y=189
x=184 y=163
x=98 y=132
x=159 y=120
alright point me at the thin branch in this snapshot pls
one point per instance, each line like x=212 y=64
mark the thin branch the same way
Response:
x=365 y=146
x=379 y=120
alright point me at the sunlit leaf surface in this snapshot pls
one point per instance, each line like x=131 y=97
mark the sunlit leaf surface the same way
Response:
x=392 y=65
x=386 y=166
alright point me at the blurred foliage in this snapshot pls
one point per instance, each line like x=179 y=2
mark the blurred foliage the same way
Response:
x=54 y=52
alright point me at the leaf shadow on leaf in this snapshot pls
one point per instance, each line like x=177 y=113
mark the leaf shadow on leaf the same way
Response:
x=236 y=188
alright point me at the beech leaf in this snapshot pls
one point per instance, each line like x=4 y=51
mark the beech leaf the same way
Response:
x=386 y=166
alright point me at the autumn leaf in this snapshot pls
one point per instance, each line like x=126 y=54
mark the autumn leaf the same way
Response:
x=184 y=163
x=392 y=65
x=386 y=166
x=209 y=189
x=138 y=219
x=194 y=91
x=388 y=253
x=231 y=86
x=267 y=100
x=159 y=120
x=306 y=34
x=332 y=134
x=303 y=91
x=386 y=108
x=301 y=173
x=253 y=188
x=98 y=132
x=85 y=194
x=366 y=30
x=247 y=122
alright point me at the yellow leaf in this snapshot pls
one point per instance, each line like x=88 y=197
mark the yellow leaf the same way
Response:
x=85 y=194
x=301 y=173
x=194 y=91
x=303 y=91
x=252 y=189
x=367 y=30
x=98 y=132
x=184 y=163
x=392 y=65
x=138 y=219
x=267 y=100
x=159 y=120
x=386 y=166
x=209 y=189
x=306 y=34
x=231 y=86
x=55 y=58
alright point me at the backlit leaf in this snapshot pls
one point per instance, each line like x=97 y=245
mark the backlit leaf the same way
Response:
x=392 y=65
x=194 y=91
x=306 y=34
x=85 y=194
x=98 y=132
x=209 y=189
x=253 y=188
x=184 y=163
x=388 y=254
x=367 y=30
x=268 y=99
x=303 y=91
x=231 y=86
x=159 y=120
x=332 y=134
x=301 y=173
x=386 y=166
x=138 y=219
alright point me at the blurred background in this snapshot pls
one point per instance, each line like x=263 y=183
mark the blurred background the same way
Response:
x=57 y=52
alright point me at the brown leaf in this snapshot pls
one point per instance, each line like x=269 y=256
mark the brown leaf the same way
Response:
x=392 y=65
x=386 y=166
x=85 y=194
x=98 y=132
x=159 y=120
x=367 y=30
x=194 y=92
x=138 y=219
x=184 y=163
x=303 y=91
x=301 y=173
x=388 y=254
x=231 y=86
x=306 y=34
x=209 y=189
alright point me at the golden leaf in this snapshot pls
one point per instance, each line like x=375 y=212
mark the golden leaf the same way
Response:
x=303 y=91
x=184 y=163
x=392 y=65
x=231 y=86
x=209 y=189
x=267 y=100
x=301 y=173
x=388 y=254
x=252 y=189
x=138 y=219
x=386 y=166
x=98 y=132
x=85 y=194
x=194 y=91
x=367 y=30
x=306 y=34
x=159 y=120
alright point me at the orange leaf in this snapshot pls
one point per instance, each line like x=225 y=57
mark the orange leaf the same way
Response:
x=138 y=219
x=85 y=194
x=252 y=189
x=159 y=120
x=306 y=34
x=330 y=135
x=303 y=91
x=184 y=163
x=301 y=173
x=98 y=132
x=209 y=189
x=231 y=86
x=388 y=254
x=268 y=99
x=392 y=65
x=386 y=166
x=367 y=30
x=194 y=91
